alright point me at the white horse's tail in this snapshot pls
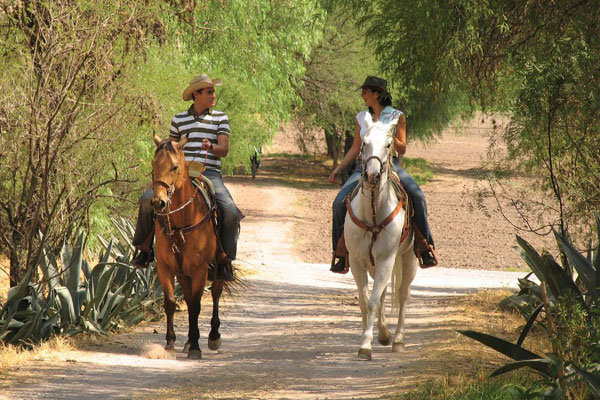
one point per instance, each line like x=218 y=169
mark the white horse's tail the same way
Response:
x=396 y=282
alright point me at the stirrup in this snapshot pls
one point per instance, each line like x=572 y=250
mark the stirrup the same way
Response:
x=141 y=258
x=430 y=260
x=340 y=266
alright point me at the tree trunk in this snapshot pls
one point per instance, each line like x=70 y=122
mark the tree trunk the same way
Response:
x=15 y=267
x=330 y=143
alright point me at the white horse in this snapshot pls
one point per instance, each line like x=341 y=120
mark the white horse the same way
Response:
x=373 y=230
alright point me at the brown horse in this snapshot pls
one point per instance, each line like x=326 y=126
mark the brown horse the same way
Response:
x=185 y=243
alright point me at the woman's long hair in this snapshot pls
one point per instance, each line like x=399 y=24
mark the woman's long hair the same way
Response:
x=384 y=99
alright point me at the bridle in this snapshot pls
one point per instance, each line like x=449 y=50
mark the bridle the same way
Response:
x=376 y=229
x=174 y=234
x=170 y=191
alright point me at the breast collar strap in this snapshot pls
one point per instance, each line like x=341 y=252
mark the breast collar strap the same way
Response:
x=374 y=229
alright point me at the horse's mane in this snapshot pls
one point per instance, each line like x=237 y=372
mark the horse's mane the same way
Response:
x=167 y=145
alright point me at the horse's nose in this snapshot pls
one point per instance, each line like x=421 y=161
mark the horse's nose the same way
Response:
x=373 y=178
x=159 y=204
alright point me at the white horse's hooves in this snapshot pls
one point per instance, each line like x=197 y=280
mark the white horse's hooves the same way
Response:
x=186 y=347
x=214 y=344
x=397 y=347
x=195 y=354
x=365 y=354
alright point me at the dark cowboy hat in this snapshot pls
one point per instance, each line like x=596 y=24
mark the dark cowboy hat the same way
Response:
x=374 y=82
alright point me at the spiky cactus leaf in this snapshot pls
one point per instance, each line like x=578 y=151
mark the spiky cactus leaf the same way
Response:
x=507 y=348
x=67 y=309
x=586 y=270
x=593 y=380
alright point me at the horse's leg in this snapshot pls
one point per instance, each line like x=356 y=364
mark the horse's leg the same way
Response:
x=214 y=337
x=409 y=270
x=186 y=285
x=383 y=333
x=362 y=283
x=197 y=283
x=383 y=272
x=167 y=283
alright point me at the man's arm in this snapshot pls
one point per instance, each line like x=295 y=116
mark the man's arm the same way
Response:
x=220 y=149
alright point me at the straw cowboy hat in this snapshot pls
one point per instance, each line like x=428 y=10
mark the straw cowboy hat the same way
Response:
x=199 y=82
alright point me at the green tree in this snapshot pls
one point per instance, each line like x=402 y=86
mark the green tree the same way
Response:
x=534 y=61
x=258 y=51
x=85 y=85
x=66 y=103
x=335 y=67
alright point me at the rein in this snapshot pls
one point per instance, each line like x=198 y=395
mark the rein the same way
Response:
x=175 y=235
x=376 y=229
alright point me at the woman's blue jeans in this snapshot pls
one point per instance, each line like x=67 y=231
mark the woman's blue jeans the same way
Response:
x=412 y=188
x=229 y=218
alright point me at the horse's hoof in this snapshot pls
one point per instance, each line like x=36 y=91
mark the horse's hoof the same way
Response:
x=195 y=354
x=214 y=344
x=397 y=347
x=365 y=354
x=170 y=352
x=384 y=337
x=186 y=347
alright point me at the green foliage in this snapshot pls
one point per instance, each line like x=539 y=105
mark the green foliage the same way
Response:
x=86 y=85
x=336 y=66
x=419 y=168
x=572 y=313
x=535 y=62
x=67 y=102
x=74 y=297
x=257 y=50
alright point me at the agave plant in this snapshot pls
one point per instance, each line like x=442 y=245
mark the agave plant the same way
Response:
x=583 y=289
x=73 y=297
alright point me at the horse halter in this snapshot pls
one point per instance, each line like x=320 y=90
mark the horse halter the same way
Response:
x=170 y=188
x=382 y=165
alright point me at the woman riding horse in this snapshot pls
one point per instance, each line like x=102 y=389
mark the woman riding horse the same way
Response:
x=379 y=103
x=207 y=132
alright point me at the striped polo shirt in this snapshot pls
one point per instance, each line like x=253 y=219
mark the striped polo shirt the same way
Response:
x=209 y=125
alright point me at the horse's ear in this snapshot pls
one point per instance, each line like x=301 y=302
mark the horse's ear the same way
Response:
x=157 y=140
x=182 y=142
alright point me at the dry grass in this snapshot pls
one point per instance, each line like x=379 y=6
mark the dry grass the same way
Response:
x=465 y=358
x=53 y=349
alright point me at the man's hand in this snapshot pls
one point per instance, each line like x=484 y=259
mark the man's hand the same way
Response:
x=205 y=144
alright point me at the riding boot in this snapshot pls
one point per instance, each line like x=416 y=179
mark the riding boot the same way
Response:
x=143 y=254
x=423 y=250
x=341 y=266
x=225 y=271
x=224 y=268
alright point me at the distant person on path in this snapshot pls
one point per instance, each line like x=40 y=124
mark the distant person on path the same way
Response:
x=208 y=132
x=379 y=103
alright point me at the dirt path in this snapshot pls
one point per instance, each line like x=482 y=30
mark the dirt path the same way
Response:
x=292 y=332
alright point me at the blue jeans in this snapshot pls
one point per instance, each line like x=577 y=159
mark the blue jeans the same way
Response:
x=229 y=219
x=412 y=188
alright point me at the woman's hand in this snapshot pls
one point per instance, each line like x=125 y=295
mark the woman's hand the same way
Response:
x=334 y=175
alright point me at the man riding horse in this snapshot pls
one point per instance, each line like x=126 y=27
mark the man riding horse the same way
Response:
x=207 y=131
